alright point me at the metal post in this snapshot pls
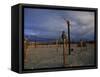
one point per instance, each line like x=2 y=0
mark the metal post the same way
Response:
x=35 y=42
x=64 y=48
x=64 y=52
x=69 y=36
x=68 y=24
x=57 y=44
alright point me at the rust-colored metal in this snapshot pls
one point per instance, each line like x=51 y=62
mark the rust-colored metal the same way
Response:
x=64 y=38
x=64 y=53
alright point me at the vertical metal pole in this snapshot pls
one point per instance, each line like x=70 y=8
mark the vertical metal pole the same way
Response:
x=81 y=45
x=64 y=48
x=35 y=41
x=68 y=23
x=64 y=52
x=57 y=44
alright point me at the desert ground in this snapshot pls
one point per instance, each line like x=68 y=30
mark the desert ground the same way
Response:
x=49 y=56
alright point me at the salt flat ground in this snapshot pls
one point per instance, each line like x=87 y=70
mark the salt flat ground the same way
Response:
x=49 y=57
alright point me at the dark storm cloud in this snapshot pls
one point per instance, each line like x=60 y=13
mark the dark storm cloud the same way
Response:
x=50 y=23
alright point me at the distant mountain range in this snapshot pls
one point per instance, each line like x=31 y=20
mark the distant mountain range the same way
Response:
x=39 y=39
x=42 y=39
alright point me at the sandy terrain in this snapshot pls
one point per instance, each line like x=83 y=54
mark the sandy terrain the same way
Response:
x=50 y=56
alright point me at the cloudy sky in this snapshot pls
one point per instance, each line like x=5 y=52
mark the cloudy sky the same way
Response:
x=48 y=24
